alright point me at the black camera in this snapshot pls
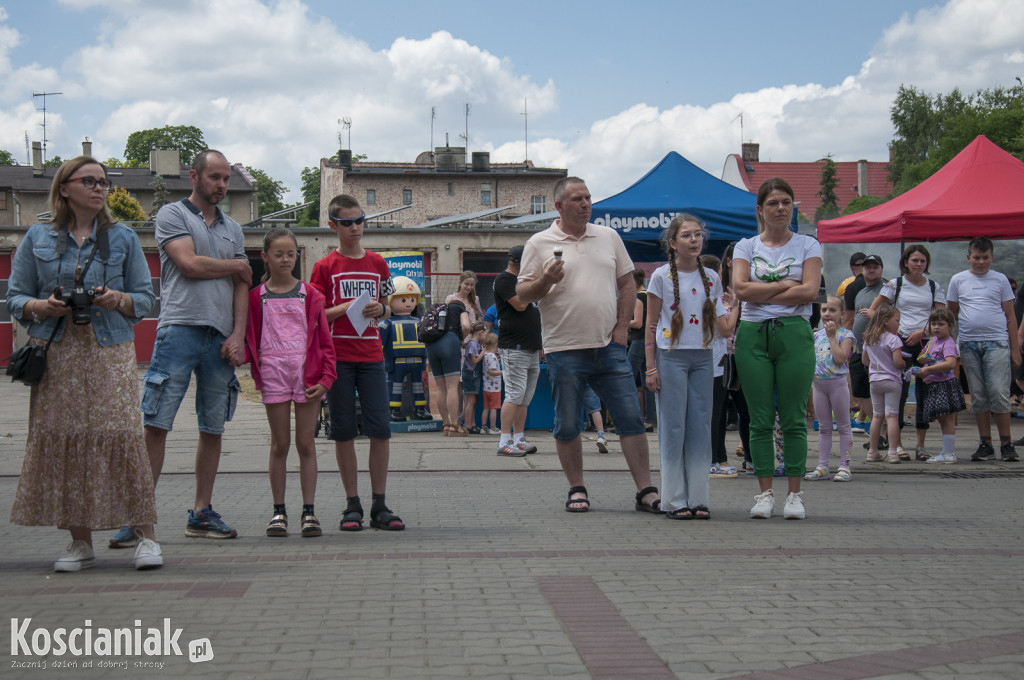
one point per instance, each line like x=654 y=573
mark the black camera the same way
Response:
x=79 y=298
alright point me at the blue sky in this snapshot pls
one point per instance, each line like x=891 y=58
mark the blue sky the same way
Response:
x=611 y=87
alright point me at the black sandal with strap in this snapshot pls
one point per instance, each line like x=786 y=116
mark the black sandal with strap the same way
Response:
x=352 y=520
x=697 y=511
x=572 y=501
x=654 y=508
x=385 y=519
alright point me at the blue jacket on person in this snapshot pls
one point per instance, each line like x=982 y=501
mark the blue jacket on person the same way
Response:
x=36 y=265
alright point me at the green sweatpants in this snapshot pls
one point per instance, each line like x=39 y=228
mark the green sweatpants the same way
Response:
x=775 y=360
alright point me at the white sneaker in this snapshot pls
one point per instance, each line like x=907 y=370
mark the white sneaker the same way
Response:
x=602 y=445
x=148 y=554
x=525 y=446
x=78 y=556
x=943 y=458
x=764 y=505
x=794 y=506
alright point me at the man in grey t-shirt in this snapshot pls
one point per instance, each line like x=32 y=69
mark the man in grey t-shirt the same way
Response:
x=858 y=320
x=205 y=278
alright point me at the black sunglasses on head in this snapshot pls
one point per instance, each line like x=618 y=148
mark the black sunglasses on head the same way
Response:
x=348 y=223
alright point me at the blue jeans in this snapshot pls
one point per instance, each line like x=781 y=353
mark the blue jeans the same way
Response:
x=180 y=351
x=987 y=364
x=684 y=426
x=607 y=371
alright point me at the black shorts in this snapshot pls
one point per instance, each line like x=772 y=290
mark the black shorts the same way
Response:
x=859 y=383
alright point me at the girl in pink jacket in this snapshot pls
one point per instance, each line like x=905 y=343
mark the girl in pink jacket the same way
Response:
x=291 y=355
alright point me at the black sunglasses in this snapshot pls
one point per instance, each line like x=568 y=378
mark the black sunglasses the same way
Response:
x=348 y=223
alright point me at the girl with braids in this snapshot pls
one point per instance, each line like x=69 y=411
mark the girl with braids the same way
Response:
x=684 y=306
x=777 y=275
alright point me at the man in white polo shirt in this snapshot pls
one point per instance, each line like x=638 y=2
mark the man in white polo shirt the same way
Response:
x=582 y=279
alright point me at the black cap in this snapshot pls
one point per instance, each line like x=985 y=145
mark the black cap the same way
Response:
x=873 y=258
x=857 y=259
x=515 y=254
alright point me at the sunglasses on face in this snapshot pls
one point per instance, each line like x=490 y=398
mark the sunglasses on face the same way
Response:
x=348 y=223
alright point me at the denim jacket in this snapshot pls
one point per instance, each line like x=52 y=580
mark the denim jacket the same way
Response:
x=36 y=264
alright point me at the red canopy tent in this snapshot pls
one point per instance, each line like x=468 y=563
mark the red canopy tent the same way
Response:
x=980 y=192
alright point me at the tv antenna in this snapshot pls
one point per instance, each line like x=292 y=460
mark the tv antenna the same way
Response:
x=28 y=150
x=740 y=116
x=433 y=115
x=44 y=95
x=465 y=137
x=346 y=124
x=526 y=139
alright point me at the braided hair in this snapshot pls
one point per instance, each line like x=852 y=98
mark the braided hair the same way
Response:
x=708 y=309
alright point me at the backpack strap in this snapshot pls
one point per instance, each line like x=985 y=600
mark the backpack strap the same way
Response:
x=899 y=285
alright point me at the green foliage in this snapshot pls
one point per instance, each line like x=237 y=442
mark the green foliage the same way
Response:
x=124 y=207
x=7 y=158
x=310 y=216
x=862 y=203
x=931 y=130
x=161 y=194
x=829 y=207
x=54 y=162
x=118 y=163
x=187 y=139
x=268 y=190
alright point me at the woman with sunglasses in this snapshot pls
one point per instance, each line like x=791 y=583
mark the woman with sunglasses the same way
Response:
x=82 y=279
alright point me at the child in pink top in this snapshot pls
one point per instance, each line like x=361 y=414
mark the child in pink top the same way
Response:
x=291 y=355
x=945 y=397
x=883 y=349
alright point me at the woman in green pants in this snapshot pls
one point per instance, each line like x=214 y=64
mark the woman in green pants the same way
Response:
x=777 y=275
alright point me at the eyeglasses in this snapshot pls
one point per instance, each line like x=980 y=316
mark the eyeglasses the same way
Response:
x=91 y=182
x=348 y=223
x=859 y=264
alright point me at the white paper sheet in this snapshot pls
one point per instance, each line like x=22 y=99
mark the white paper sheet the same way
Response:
x=355 y=312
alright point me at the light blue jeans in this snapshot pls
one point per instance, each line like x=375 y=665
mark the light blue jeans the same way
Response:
x=684 y=426
x=987 y=364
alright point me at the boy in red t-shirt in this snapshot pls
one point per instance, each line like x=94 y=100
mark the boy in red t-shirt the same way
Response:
x=343 y=276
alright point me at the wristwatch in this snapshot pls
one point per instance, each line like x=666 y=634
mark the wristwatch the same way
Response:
x=123 y=304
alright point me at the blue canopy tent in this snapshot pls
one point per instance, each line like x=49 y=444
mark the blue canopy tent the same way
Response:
x=641 y=212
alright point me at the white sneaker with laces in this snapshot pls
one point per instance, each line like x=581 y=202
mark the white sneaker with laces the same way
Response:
x=78 y=556
x=602 y=444
x=148 y=554
x=948 y=458
x=764 y=505
x=794 y=506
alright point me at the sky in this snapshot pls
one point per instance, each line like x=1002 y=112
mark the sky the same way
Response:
x=609 y=88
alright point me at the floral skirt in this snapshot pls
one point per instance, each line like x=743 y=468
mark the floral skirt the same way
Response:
x=85 y=459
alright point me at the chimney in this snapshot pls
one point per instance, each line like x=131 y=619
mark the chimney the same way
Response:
x=481 y=161
x=87 y=148
x=862 y=177
x=165 y=162
x=37 y=159
x=345 y=158
x=750 y=152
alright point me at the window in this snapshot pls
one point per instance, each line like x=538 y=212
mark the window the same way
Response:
x=371 y=197
x=485 y=194
x=3 y=200
x=538 y=204
x=451 y=189
x=225 y=204
x=406 y=196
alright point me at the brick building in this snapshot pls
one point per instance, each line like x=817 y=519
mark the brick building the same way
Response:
x=439 y=184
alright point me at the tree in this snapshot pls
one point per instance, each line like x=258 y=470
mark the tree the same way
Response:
x=862 y=203
x=931 y=130
x=161 y=195
x=310 y=216
x=187 y=139
x=54 y=162
x=7 y=158
x=269 y=191
x=124 y=207
x=118 y=163
x=829 y=207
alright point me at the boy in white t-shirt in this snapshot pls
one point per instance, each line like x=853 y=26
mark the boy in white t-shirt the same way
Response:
x=982 y=301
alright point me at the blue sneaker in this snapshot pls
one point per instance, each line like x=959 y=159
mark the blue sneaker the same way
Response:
x=207 y=524
x=125 y=538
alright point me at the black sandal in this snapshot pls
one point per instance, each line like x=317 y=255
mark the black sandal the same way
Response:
x=681 y=513
x=387 y=520
x=351 y=520
x=698 y=509
x=572 y=501
x=654 y=508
